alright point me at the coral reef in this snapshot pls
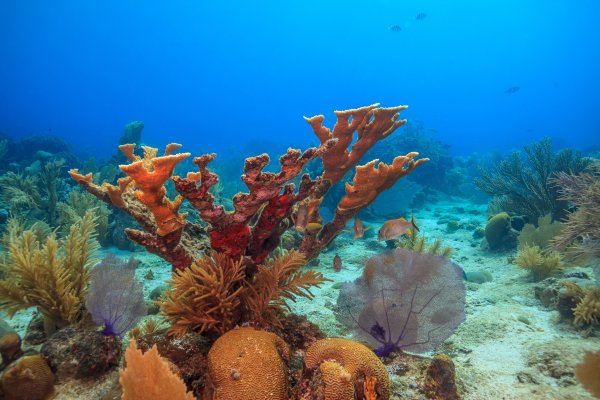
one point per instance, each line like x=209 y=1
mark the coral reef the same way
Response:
x=246 y=363
x=581 y=234
x=521 y=188
x=404 y=300
x=341 y=369
x=28 y=378
x=50 y=275
x=148 y=376
x=271 y=198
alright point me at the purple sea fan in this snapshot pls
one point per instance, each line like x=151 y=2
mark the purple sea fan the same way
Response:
x=115 y=298
x=404 y=301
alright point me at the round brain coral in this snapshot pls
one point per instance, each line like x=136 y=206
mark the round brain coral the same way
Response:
x=248 y=364
x=28 y=378
x=342 y=364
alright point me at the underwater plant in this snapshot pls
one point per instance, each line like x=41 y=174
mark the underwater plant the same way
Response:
x=539 y=264
x=51 y=275
x=213 y=294
x=115 y=299
x=581 y=233
x=524 y=188
x=404 y=301
x=542 y=235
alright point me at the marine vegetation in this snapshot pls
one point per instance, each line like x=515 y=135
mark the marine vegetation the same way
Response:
x=542 y=235
x=540 y=265
x=115 y=299
x=524 y=188
x=416 y=241
x=404 y=301
x=581 y=233
x=50 y=274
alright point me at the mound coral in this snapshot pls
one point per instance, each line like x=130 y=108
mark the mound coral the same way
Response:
x=28 y=378
x=343 y=369
x=246 y=363
x=271 y=199
x=497 y=231
x=148 y=376
x=52 y=275
x=404 y=300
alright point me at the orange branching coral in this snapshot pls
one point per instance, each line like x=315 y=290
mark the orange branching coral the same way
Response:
x=254 y=228
x=248 y=364
x=355 y=364
x=142 y=195
x=371 y=124
x=148 y=376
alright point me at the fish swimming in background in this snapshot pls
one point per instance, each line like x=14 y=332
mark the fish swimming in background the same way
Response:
x=512 y=90
x=395 y=28
x=421 y=15
x=359 y=229
x=301 y=217
x=394 y=228
x=337 y=263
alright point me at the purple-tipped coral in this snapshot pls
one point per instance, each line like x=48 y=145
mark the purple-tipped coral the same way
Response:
x=404 y=301
x=115 y=299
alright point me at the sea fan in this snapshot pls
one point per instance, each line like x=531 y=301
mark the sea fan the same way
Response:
x=115 y=299
x=404 y=300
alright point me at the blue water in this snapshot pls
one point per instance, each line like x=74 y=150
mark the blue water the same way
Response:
x=220 y=73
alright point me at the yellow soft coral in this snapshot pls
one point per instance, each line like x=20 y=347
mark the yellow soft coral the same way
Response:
x=587 y=310
x=540 y=265
x=52 y=276
x=248 y=364
x=342 y=363
x=148 y=376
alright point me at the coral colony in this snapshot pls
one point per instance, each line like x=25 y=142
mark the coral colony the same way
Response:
x=271 y=199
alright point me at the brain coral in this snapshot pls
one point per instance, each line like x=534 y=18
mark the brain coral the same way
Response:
x=28 y=378
x=341 y=365
x=248 y=364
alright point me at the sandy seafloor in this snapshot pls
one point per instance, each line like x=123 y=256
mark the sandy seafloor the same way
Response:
x=509 y=347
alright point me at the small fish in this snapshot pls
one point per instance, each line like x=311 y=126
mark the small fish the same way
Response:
x=421 y=16
x=395 y=28
x=512 y=90
x=337 y=263
x=313 y=227
x=394 y=228
x=301 y=217
x=359 y=228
